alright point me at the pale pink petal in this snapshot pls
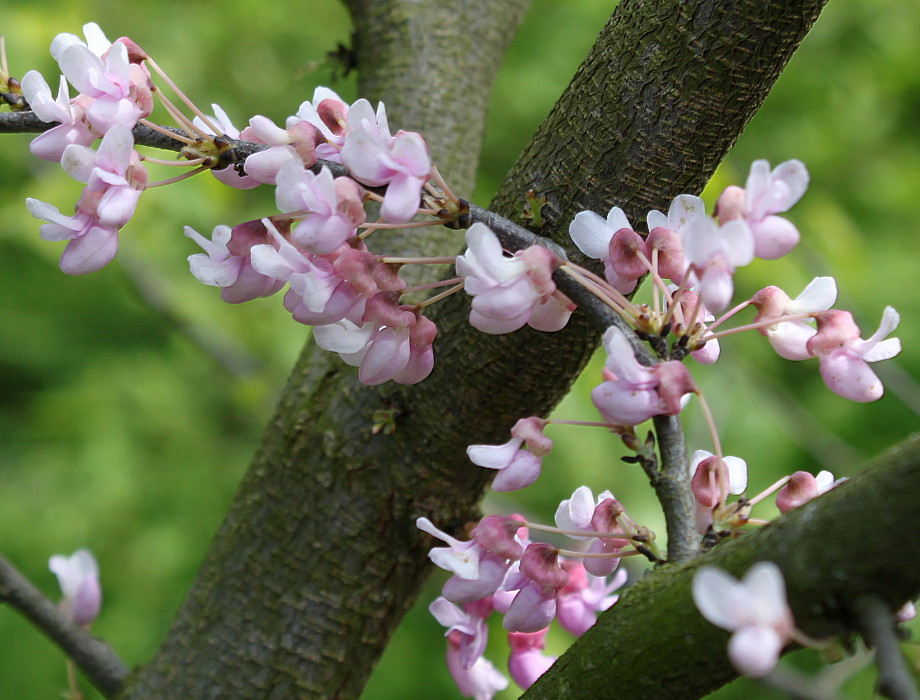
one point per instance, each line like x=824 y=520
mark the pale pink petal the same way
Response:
x=494 y=456
x=90 y=252
x=755 y=650
x=387 y=356
x=402 y=198
x=715 y=595
x=522 y=472
x=790 y=338
x=774 y=236
x=849 y=376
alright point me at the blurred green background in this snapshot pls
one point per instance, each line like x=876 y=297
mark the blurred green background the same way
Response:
x=132 y=399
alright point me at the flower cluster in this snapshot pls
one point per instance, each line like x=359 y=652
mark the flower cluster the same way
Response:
x=114 y=93
x=528 y=583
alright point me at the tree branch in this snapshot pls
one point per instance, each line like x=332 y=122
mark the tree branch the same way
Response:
x=656 y=623
x=876 y=623
x=97 y=661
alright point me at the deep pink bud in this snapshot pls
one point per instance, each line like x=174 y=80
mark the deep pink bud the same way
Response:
x=625 y=246
x=731 y=204
x=423 y=332
x=802 y=487
x=540 y=563
x=495 y=533
x=386 y=276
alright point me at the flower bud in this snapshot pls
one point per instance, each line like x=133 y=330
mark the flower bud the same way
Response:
x=802 y=487
x=540 y=563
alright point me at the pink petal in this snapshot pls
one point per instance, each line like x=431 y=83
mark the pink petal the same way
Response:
x=755 y=650
x=90 y=252
x=850 y=377
x=388 y=355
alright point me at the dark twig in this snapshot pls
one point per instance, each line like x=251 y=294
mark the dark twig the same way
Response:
x=876 y=623
x=97 y=661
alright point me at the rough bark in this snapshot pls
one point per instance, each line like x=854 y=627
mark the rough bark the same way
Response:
x=318 y=557
x=859 y=539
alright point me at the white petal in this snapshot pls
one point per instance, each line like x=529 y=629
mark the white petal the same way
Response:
x=715 y=595
x=591 y=234
x=819 y=295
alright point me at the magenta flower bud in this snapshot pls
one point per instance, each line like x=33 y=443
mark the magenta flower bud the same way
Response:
x=730 y=204
x=540 y=563
x=495 y=533
x=670 y=252
x=802 y=487
x=625 y=246
x=834 y=329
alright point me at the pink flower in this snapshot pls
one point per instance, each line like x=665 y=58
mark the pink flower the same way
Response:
x=714 y=252
x=790 y=338
x=114 y=179
x=234 y=274
x=517 y=468
x=509 y=291
x=843 y=356
x=120 y=89
x=767 y=193
x=802 y=487
x=633 y=393
x=614 y=242
x=73 y=128
x=754 y=610
x=578 y=604
x=526 y=661
x=480 y=681
x=467 y=624
x=375 y=158
x=333 y=207
x=328 y=113
x=78 y=576
x=714 y=478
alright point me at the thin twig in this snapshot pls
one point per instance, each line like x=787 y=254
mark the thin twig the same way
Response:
x=876 y=623
x=97 y=661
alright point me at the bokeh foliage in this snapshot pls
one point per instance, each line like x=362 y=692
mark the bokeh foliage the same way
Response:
x=132 y=399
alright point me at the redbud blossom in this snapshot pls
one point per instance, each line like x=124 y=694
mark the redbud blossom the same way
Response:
x=714 y=478
x=329 y=114
x=754 y=610
x=578 y=604
x=114 y=179
x=78 y=576
x=801 y=488
x=790 y=338
x=509 y=292
x=375 y=158
x=614 y=242
x=480 y=681
x=767 y=193
x=73 y=128
x=526 y=660
x=714 y=252
x=518 y=468
x=843 y=356
x=633 y=393
x=468 y=626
